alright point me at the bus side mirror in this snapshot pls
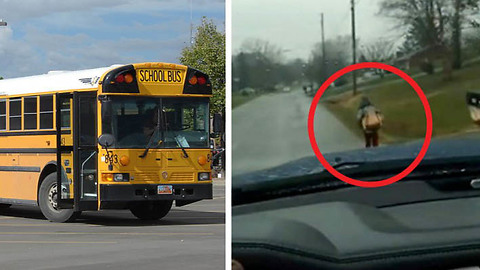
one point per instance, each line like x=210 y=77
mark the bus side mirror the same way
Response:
x=106 y=140
x=217 y=123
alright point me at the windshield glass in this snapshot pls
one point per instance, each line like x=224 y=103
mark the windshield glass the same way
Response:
x=278 y=66
x=178 y=122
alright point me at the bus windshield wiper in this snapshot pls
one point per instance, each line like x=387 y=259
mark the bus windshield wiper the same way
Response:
x=185 y=155
x=347 y=165
x=154 y=135
x=150 y=142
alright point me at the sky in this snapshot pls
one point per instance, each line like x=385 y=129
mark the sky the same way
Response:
x=294 y=25
x=45 y=35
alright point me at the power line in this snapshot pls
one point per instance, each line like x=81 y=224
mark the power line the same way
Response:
x=191 y=22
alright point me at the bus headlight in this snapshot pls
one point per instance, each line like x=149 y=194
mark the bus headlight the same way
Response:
x=121 y=177
x=115 y=177
x=203 y=176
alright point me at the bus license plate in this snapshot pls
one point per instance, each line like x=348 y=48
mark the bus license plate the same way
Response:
x=165 y=189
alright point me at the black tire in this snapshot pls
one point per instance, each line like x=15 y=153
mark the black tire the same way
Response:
x=47 y=199
x=4 y=205
x=151 y=210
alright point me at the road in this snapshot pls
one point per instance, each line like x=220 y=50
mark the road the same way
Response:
x=190 y=237
x=272 y=130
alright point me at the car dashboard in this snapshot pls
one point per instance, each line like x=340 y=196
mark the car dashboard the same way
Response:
x=345 y=232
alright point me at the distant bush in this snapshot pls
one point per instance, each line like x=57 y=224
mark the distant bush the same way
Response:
x=341 y=81
x=427 y=67
x=247 y=91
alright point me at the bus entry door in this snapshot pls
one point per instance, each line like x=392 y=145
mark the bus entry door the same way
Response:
x=84 y=153
x=64 y=140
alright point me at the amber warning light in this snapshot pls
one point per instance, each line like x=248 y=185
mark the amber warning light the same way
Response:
x=121 y=80
x=201 y=80
x=197 y=82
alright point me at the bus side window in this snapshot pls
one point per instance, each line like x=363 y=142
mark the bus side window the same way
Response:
x=66 y=114
x=3 y=114
x=30 y=113
x=15 y=113
x=46 y=112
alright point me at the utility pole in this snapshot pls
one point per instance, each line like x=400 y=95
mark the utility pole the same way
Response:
x=354 y=48
x=324 y=60
x=323 y=39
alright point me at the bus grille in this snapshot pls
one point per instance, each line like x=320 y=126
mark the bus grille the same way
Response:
x=147 y=176
x=182 y=176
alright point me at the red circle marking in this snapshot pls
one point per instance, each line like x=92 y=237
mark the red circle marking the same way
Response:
x=416 y=161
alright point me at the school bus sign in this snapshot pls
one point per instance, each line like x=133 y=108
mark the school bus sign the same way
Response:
x=160 y=76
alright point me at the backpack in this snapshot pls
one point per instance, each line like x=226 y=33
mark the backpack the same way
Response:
x=371 y=121
x=475 y=114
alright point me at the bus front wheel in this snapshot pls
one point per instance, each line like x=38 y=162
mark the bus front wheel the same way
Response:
x=47 y=200
x=151 y=210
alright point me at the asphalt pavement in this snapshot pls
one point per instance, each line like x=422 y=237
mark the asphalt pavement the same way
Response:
x=189 y=237
x=272 y=130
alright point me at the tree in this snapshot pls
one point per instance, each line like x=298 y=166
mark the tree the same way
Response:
x=269 y=51
x=429 y=23
x=337 y=57
x=207 y=54
x=259 y=65
x=424 y=19
x=381 y=50
x=472 y=39
x=240 y=69
x=464 y=13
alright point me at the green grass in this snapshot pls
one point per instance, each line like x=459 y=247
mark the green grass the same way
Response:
x=239 y=99
x=348 y=86
x=404 y=113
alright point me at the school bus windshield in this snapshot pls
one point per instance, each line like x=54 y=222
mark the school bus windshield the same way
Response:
x=134 y=122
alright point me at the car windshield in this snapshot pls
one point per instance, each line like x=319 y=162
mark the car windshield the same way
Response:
x=136 y=122
x=281 y=59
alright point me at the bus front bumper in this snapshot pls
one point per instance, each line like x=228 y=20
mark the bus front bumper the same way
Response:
x=149 y=192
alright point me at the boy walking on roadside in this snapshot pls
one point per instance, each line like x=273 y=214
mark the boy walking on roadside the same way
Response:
x=370 y=120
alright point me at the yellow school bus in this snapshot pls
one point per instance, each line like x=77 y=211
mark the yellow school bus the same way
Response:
x=122 y=137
